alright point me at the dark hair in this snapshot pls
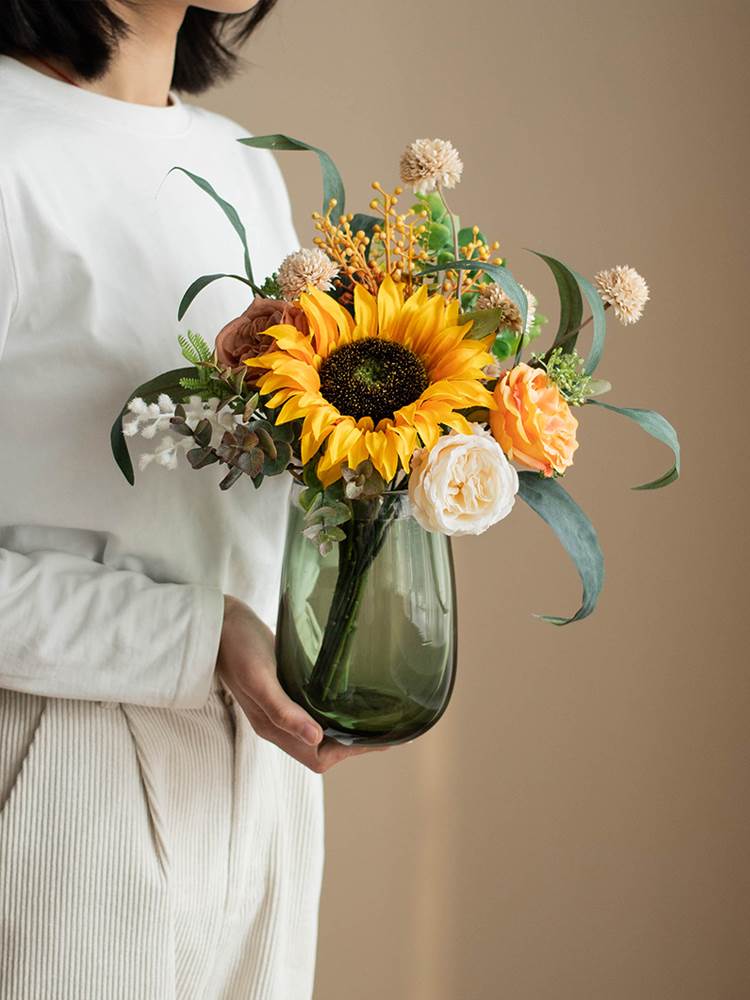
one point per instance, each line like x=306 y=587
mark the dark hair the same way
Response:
x=86 y=36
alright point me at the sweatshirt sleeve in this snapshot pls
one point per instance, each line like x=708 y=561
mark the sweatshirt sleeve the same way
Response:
x=72 y=627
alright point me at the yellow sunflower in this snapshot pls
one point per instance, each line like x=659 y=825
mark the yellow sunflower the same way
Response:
x=377 y=385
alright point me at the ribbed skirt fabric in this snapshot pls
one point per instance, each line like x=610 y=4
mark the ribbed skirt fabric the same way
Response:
x=153 y=854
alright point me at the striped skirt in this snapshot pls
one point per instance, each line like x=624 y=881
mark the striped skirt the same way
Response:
x=153 y=854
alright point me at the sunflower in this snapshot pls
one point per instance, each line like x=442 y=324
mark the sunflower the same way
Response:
x=377 y=385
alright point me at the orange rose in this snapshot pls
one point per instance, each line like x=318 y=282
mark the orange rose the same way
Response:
x=245 y=336
x=533 y=423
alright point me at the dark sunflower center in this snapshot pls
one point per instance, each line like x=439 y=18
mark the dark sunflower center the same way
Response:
x=372 y=378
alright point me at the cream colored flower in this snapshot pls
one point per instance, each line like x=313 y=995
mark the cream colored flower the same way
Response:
x=493 y=297
x=462 y=485
x=625 y=290
x=425 y=163
x=303 y=268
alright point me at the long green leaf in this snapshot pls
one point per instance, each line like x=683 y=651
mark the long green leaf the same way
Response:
x=333 y=185
x=168 y=382
x=499 y=274
x=571 y=303
x=574 y=531
x=599 y=321
x=570 y=286
x=658 y=427
x=229 y=210
x=200 y=283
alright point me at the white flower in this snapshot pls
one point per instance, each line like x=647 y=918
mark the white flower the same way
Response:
x=462 y=485
x=425 y=163
x=625 y=290
x=303 y=268
x=149 y=419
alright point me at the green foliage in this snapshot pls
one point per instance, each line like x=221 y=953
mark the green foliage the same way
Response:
x=565 y=369
x=325 y=512
x=229 y=211
x=574 y=531
x=270 y=289
x=194 y=348
x=573 y=288
x=200 y=283
x=506 y=344
x=333 y=185
x=658 y=427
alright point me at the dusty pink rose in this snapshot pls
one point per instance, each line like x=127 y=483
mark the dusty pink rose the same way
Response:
x=245 y=337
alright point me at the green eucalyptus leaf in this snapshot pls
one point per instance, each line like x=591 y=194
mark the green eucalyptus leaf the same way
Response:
x=571 y=301
x=229 y=211
x=440 y=236
x=168 y=382
x=275 y=465
x=658 y=427
x=333 y=186
x=199 y=284
x=485 y=322
x=574 y=531
x=573 y=288
x=599 y=322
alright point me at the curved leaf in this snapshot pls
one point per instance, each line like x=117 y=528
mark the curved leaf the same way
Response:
x=499 y=274
x=658 y=427
x=574 y=531
x=200 y=283
x=333 y=186
x=571 y=303
x=570 y=285
x=229 y=210
x=168 y=382
x=599 y=320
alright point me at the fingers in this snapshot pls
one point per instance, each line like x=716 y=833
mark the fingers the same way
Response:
x=281 y=712
x=320 y=758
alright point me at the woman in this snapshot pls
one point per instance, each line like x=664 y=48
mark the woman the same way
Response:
x=160 y=798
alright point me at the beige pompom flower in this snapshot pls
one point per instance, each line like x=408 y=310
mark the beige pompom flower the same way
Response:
x=493 y=297
x=427 y=163
x=625 y=290
x=303 y=268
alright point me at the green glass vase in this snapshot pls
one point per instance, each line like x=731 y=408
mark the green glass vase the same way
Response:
x=366 y=634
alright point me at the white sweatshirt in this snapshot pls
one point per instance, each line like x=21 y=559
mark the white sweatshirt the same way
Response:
x=107 y=591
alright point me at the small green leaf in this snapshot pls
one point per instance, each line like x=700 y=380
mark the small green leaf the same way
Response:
x=485 y=322
x=439 y=237
x=574 y=531
x=229 y=211
x=598 y=387
x=658 y=427
x=333 y=185
x=280 y=462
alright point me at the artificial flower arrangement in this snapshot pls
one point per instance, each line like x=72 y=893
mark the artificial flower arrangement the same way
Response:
x=383 y=369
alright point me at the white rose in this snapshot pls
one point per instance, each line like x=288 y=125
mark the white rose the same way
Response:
x=462 y=485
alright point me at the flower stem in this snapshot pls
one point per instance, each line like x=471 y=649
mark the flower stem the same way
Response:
x=357 y=552
x=454 y=230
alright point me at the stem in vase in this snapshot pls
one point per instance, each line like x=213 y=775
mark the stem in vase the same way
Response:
x=356 y=554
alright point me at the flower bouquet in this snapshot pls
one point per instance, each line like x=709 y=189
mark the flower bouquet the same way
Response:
x=383 y=369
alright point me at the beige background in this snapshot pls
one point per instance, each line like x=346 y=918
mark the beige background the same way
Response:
x=577 y=826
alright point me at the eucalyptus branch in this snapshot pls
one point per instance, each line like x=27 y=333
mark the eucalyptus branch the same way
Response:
x=454 y=230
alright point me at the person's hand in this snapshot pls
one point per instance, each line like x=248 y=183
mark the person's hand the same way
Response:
x=247 y=665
